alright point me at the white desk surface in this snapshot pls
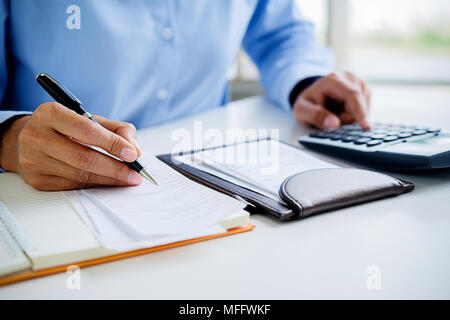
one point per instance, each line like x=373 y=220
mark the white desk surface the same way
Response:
x=326 y=256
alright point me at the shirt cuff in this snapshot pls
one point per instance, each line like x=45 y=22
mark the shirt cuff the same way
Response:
x=301 y=85
x=7 y=121
x=6 y=115
x=7 y=118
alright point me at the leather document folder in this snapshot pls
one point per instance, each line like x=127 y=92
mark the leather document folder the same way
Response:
x=305 y=185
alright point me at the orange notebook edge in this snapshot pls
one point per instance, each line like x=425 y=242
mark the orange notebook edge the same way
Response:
x=26 y=275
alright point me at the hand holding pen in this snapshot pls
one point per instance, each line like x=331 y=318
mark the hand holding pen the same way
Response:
x=41 y=152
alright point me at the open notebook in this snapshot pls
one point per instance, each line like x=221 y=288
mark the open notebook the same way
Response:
x=44 y=232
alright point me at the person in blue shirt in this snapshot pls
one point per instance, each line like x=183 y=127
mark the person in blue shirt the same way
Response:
x=143 y=63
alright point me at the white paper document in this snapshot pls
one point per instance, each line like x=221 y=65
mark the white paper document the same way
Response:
x=176 y=209
x=261 y=166
x=113 y=238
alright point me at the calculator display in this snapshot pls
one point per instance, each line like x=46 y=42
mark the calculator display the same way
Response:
x=427 y=146
x=442 y=140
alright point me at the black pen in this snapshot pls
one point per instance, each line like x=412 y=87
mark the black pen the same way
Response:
x=68 y=99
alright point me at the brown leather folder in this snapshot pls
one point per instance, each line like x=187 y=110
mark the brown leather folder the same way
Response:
x=306 y=193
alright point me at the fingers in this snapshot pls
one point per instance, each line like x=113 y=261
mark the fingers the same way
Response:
x=307 y=112
x=344 y=89
x=50 y=158
x=123 y=129
x=89 y=164
x=51 y=174
x=55 y=183
x=82 y=129
x=367 y=93
x=346 y=118
x=362 y=85
x=58 y=168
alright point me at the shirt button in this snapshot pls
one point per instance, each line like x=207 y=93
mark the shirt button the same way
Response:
x=167 y=33
x=162 y=94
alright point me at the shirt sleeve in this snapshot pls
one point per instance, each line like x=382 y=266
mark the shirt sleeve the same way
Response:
x=4 y=115
x=283 y=46
x=4 y=13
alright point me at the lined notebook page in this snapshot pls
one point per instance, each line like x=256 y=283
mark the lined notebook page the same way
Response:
x=50 y=222
x=12 y=258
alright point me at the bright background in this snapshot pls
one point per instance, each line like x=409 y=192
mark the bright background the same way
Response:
x=395 y=42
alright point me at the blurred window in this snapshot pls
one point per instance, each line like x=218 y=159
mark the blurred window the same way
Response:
x=404 y=41
x=399 y=40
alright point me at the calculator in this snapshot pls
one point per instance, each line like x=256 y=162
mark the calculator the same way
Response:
x=385 y=146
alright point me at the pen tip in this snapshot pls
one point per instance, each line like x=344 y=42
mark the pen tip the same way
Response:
x=144 y=173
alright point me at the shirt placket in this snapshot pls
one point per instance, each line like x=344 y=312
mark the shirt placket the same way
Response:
x=164 y=28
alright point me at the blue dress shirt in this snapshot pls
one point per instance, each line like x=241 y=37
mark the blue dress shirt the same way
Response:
x=150 y=61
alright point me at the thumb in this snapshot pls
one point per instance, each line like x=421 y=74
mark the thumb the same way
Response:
x=317 y=115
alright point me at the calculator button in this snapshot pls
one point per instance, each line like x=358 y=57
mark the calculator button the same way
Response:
x=319 y=135
x=348 y=127
x=373 y=143
x=378 y=136
x=433 y=130
x=335 y=137
x=347 y=139
x=390 y=138
x=367 y=133
x=362 y=140
x=405 y=135
x=418 y=132
x=393 y=133
x=408 y=129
